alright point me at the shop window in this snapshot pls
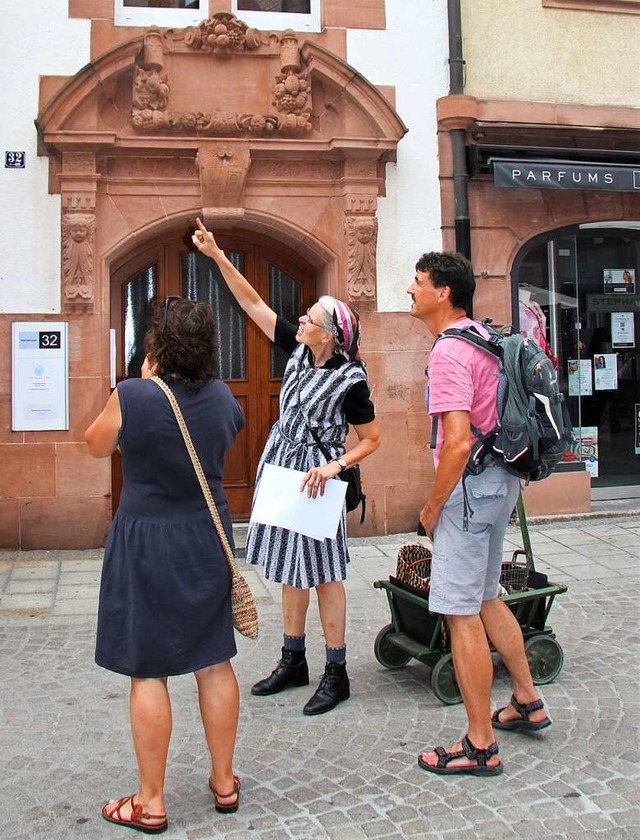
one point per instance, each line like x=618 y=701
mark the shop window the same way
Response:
x=299 y=15
x=625 y=7
x=577 y=293
x=179 y=13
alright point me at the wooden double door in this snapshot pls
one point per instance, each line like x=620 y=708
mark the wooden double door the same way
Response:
x=248 y=363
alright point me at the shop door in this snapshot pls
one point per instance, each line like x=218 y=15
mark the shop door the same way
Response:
x=583 y=288
x=248 y=363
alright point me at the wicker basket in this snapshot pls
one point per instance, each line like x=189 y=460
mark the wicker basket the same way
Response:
x=413 y=566
x=514 y=575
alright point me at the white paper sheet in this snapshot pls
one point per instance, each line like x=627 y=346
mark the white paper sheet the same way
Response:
x=279 y=502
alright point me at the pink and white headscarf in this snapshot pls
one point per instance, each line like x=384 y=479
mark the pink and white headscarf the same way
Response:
x=345 y=328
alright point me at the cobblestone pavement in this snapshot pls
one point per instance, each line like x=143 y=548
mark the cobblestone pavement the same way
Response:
x=349 y=774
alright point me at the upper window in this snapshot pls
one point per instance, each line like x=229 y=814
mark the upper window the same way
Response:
x=300 y=15
x=627 y=7
x=179 y=13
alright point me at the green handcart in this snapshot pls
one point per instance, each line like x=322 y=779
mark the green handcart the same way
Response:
x=414 y=633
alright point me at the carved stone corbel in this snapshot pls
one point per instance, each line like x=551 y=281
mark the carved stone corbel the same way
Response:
x=78 y=188
x=223 y=173
x=78 y=240
x=362 y=236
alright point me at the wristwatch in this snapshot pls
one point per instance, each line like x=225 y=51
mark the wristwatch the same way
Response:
x=341 y=463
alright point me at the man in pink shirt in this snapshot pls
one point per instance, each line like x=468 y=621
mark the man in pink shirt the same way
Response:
x=467 y=520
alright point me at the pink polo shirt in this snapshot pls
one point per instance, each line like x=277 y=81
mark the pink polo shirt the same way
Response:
x=462 y=377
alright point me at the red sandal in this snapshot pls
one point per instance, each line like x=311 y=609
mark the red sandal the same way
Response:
x=137 y=815
x=221 y=807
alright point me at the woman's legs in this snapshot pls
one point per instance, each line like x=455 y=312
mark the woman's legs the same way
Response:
x=292 y=670
x=219 y=700
x=332 y=605
x=295 y=603
x=334 y=685
x=150 y=711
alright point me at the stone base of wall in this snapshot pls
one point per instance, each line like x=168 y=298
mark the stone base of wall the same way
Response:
x=568 y=492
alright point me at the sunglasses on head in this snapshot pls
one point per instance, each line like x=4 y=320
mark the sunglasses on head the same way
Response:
x=165 y=310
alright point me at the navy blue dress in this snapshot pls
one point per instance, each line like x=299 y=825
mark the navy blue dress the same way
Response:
x=164 y=595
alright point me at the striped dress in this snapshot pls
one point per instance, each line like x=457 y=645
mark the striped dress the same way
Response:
x=309 y=396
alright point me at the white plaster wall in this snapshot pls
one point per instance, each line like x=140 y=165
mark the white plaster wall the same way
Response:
x=411 y=54
x=522 y=50
x=37 y=38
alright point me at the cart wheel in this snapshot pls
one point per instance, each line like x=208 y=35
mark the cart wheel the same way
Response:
x=545 y=658
x=389 y=655
x=443 y=681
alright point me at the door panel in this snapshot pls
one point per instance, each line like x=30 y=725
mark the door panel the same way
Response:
x=248 y=362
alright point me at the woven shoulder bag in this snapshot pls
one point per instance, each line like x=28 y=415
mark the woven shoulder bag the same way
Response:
x=243 y=607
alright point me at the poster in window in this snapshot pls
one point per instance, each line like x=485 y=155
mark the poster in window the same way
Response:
x=586 y=448
x=579 y=377
x=622 y=330
x=605 y=372
x=619 y=281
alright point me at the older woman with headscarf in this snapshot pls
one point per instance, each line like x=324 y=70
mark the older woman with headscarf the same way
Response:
x=324 y=389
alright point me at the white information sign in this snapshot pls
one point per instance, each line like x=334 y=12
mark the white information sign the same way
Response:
x=40 y=376
x=605 y=370
x=622 y=330
x=279 y=502
x=579 y=377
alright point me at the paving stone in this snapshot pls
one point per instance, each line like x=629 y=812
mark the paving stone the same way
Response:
x=351 y=773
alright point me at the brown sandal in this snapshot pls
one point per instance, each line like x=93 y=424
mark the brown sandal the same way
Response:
x=221 y=807
x=137 y=815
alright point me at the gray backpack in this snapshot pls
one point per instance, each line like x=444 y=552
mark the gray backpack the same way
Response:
x=533 y=429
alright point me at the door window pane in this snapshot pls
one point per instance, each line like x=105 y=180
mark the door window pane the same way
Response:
x=284 y=298
x=202 y=280
x=139 y=294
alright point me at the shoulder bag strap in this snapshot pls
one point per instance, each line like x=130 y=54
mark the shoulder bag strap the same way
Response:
x=314 y=434
x=206 y=490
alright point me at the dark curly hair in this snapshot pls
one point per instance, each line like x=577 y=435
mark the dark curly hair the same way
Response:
x=454 y=271
x=182 y=342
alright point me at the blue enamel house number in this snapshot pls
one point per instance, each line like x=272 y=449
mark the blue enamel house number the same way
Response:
x=14 y=160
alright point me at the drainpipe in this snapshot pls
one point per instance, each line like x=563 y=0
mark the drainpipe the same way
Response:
x=460 y=174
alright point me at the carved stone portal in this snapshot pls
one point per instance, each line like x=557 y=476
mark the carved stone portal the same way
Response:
x=362 y=237
x=78 y=234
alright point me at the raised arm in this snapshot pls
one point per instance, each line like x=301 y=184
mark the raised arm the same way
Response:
x=239 y=286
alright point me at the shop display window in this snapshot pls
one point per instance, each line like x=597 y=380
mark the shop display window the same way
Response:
x=577 y=294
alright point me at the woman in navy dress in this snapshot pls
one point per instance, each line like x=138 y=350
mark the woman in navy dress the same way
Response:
x=324 y=388
x=165 y=605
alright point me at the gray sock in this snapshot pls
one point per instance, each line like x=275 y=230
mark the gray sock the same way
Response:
x=337 y=655
x=296 y=643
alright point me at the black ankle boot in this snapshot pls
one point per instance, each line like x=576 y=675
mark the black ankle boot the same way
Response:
x=291 y=671
x=333 y=689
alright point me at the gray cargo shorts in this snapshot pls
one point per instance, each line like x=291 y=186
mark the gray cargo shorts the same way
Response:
x=465 y=567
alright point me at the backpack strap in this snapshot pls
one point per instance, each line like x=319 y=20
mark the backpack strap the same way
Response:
x=489 y=345
x=470 y=334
